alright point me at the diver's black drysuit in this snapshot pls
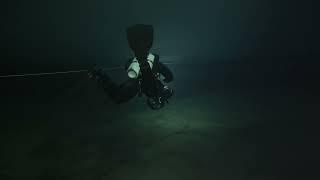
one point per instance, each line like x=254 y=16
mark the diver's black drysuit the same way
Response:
x=147 y=78
x=147 y=83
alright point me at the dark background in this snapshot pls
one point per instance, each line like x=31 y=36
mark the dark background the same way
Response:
x=249 y=48
x=36 y=35
x=258 y=38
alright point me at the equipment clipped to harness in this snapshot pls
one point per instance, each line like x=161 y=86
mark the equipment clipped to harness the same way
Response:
x=158 y=102
x=134 y=68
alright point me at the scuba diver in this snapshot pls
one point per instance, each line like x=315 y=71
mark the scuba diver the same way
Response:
x=145 y=72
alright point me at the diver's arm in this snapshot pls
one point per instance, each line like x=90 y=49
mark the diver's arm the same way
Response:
x=166 y=72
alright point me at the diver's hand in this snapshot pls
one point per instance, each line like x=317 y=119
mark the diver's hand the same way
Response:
x=95 y=73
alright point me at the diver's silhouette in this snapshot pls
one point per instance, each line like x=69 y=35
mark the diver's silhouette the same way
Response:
x=144 y=71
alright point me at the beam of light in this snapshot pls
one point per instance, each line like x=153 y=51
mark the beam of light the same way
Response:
x=66 y=72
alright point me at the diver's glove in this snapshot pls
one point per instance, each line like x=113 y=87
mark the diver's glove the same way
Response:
x=96 y=73
x=102 y=78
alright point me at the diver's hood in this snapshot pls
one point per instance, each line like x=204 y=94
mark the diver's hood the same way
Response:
x=140 y=39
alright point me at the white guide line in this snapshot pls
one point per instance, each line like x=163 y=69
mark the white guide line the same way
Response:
x=63 y=72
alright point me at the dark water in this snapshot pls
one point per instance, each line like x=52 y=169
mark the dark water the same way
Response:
x=246 y=82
